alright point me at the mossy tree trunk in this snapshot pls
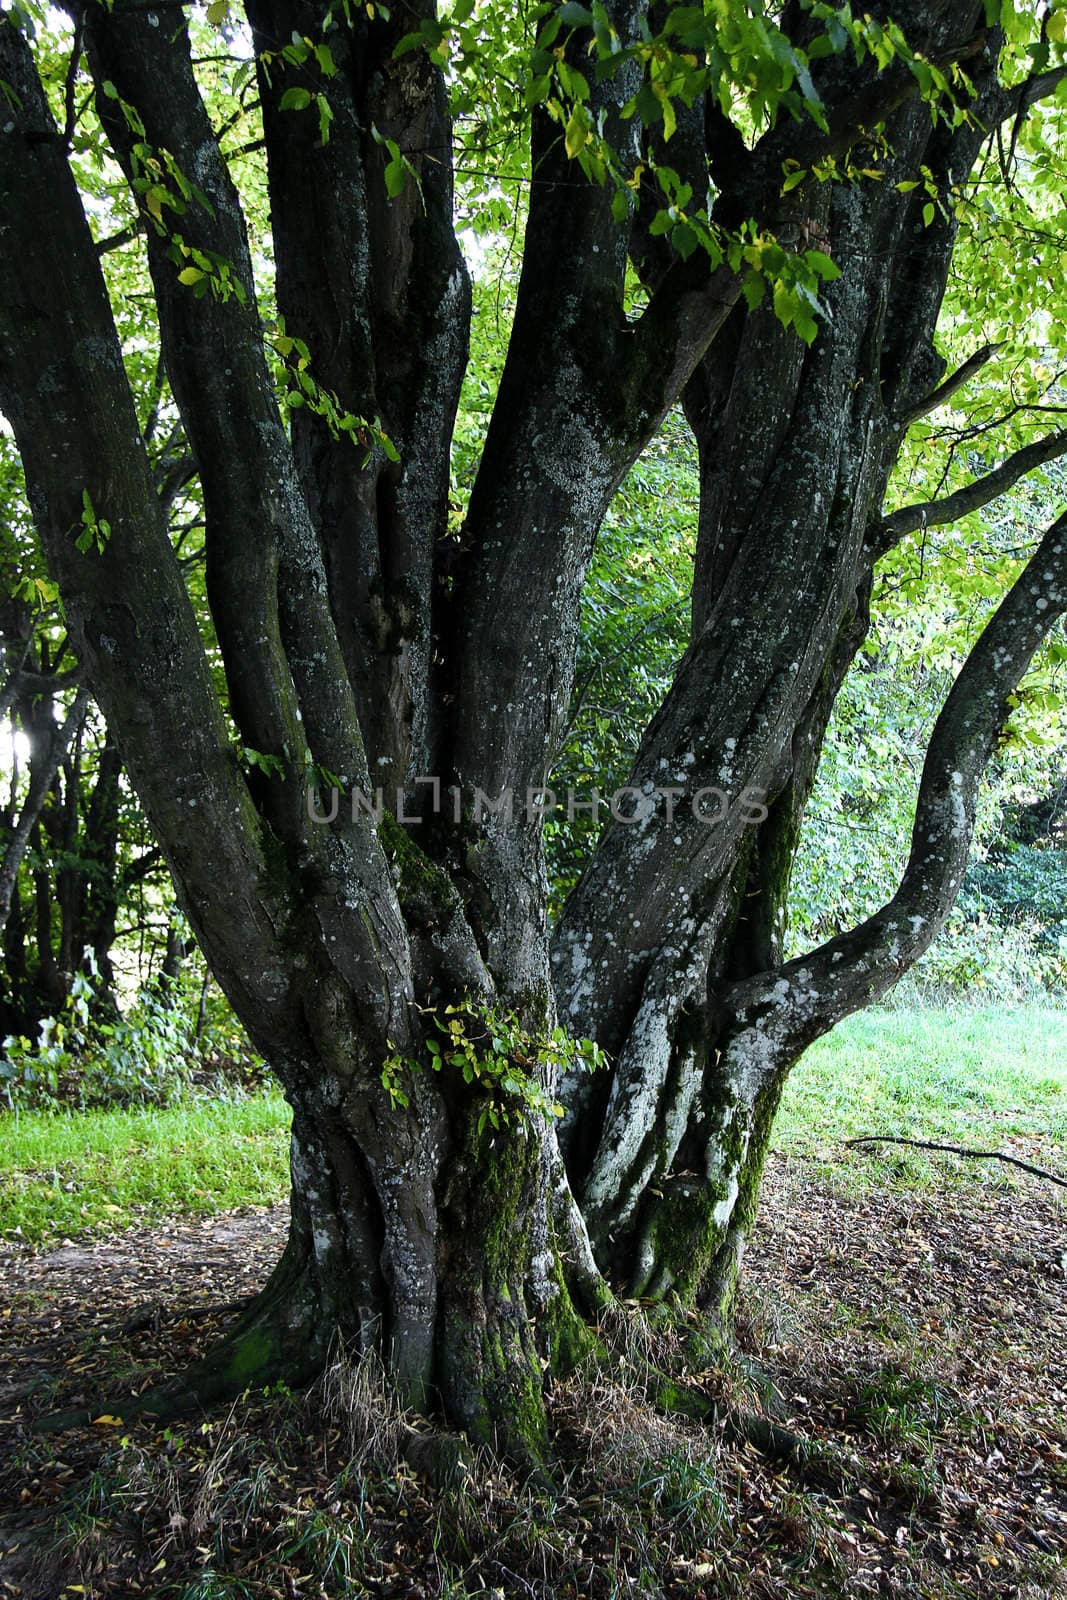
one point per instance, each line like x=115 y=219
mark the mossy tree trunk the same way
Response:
x=438 y=1253
x=359 y=641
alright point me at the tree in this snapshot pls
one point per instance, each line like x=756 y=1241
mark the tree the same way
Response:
x=399 y=972
x=68 y=858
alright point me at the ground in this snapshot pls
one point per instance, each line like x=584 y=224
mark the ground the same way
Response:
x=915 y=1336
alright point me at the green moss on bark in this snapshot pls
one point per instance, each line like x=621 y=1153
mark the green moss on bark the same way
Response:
x=427 y=894
x=257 y=1351
x=563 y=1335
x=490 y=1371
x=717 y=1294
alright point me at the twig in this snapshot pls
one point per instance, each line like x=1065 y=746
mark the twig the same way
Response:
x=70 y=86
x=960 y=1150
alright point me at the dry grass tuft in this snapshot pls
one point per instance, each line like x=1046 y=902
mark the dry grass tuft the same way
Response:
x=353 y=1397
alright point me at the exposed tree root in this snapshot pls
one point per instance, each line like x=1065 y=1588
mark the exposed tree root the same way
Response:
x=150 y=1316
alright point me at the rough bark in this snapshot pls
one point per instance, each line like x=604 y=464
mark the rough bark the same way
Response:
x=796 y=449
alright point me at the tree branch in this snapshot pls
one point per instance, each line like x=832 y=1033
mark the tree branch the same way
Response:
x=372 y=284
x=41 y=683
x=852 y=113
x=146 y=863
x=1017 y=101
x=42 y=774
x=10 y=687
x=130 y=616
x=890 y=530
x=115 y=241
x=800 y=1001
x=952 y=383
x=263 y=563
x=267 y=585
x=961 y=1150
x=69 y=87
x=172 y=473
x=569 y=386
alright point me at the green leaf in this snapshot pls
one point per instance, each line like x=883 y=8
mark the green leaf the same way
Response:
x=805 y=323
x=929 y=212
x=785 y=304
x=190 y=275
x=576 y=133
x=395 y=177
x=684 y=239
x=537 y=89
x=295 y=99
x=410 y=41
x=823 y=265
x=753 y=289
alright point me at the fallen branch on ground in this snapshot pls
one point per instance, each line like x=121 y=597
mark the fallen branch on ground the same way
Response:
x=961 y=1150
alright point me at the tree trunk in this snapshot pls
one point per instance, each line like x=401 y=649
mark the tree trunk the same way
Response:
x=45 y=763
x=795 y=451
x=426 y=1231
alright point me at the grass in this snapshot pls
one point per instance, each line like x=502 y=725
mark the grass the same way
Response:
x=64 y=1173
x=977 y=1076
x=990 y=1077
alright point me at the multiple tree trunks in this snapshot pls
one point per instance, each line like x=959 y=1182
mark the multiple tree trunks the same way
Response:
x=359 y=641
x=50 y=916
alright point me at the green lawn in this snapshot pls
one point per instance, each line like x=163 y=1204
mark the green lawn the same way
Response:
x=994 y=1077
x=100 y=1171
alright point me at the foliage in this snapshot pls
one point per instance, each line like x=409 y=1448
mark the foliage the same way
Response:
x=498 y=1057
x=159 y=1051
x=979 y=956
x=740 y=58
x=1023 y=879
x=859 y=821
